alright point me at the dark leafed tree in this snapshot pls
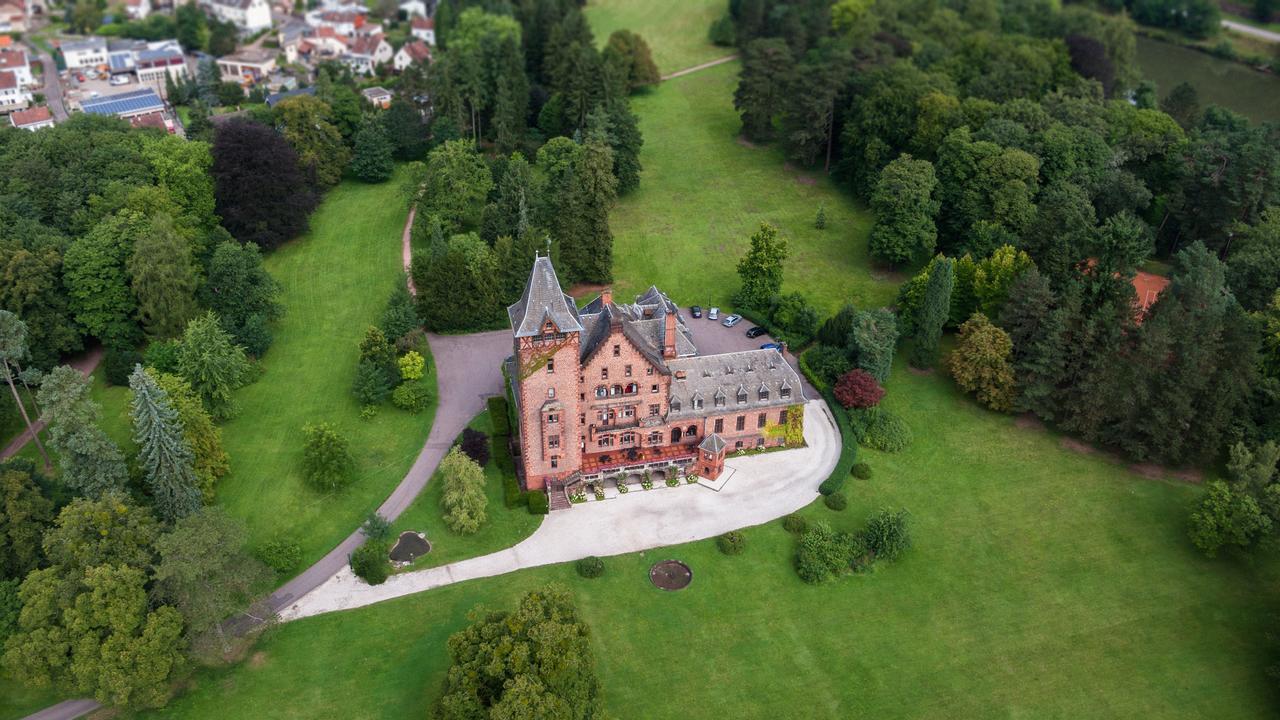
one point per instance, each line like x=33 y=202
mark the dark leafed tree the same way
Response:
x=767 y=68
x=406 y=129
x=371 y=159
x=582 y=228
x=91 y=463
x=904 y=207
x=933 y=313
x=1089 y=58
x=760 y=270
x=164 y=279
x=1183 y=105
x=167 y=462
x=262 y=194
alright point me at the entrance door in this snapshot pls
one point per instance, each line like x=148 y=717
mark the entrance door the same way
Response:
x=675 y=435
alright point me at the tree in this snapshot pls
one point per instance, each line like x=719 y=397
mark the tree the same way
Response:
x=24 y=515
x=377 y=351
x=1253 y=268
x=307 y=123
x=31 y=264
x=406 y=130
x=858 y=389
x=167 y=461
x=371 y=160
x=164 y=279
x=887 y=534
x=13 y=350
x=760 y=270
x=213 y=366
x=203 y=437
x=204 y=571
x=511 y=104
x=873 y=340
x=457 y=289
x=463 y=500
x=1183 y=105
x=904 y=207
x=97 y=280
x=327 y=464
x=933 y=313
x=628 y=52
x=995 y=275
x=262 y=195
x=980 y=363
x=582 y=224
x=555 y=678
x=192 y=27
x=619 y=126
x=399 y=317
x=457 y=184
x=85 y=16
x=767 y=66
x=242 y=293
x=91 y=463
x=1227 y=517
x=222 y=37
x=371 y=385
x=370 y=563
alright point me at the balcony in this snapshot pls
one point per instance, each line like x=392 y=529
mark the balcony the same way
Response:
x=636 y=458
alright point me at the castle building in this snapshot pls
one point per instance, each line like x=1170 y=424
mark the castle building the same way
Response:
x=615 y=387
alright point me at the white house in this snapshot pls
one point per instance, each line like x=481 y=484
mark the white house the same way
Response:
x=137 y=9
x=379 y=97
x=249 y=65
x=367 y=52
x=13 y=17
x=12 y=95
x=323 y=43
x=90 y=52
x=154 y=64
x=413 y=8
x=424 y=29
x=249 y=16
x=15 y=61
x=411 y=53
x=343 y=22
x=32 y=118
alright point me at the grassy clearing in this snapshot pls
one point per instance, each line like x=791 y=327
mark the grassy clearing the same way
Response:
x=703 y=193
x=1043 y=583
x=19 y=701
x=676 y=30
x=503 y=529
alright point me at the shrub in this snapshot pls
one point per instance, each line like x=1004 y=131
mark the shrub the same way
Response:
x=832 y=484
x=887 y=432
x=723 y=32
x=411 y=396
x=732 y=543
x=512 y=495
x=370 y=563
x=370 y=386
x=836 y=501
x=412 y=365
x=326 y=460
x=538 y=503
x=376 y=527
x=117 y=363
x=498 y=415
x=887 y=534
x=476 y=445
x=980 y=363
x=162 y=357
x=399 y=317
x=795 y=524
x=828 y=363
x=590 y=567
x=463 y=500
x=861 y=470
x=794 y=320
x=858 y=389
x=821 y=554
x=254 y=334
x=416 y=340
x=280 y=554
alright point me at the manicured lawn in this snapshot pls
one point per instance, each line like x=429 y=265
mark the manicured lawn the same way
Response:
x=703 y=193
x=503 y=529
x=18 y=701
x=1043 y=583
x=676 y=30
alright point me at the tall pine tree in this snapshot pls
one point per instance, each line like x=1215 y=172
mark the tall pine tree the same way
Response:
x=933 y=313
x=91 y=463
x=582 y=228
x=168 y=465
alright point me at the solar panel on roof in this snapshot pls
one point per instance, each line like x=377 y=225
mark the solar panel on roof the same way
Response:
x=130 y=102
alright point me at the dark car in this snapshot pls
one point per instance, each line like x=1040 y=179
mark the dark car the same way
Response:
x=755 y=332
x=696 y=311
x=772 y=346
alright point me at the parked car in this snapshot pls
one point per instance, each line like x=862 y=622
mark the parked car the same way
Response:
x=732 y=320
x=696 y=311
x=772 y=346
x=755 y=332
x=119 y=79
x=713 y=313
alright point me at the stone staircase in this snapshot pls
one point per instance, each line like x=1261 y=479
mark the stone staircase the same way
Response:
x=558 y=499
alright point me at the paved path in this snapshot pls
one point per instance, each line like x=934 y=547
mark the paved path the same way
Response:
x=52 y=88
x=703 y=66
x=86 y=364
x=1252 y=31
x=758 y=489
x=65 y=710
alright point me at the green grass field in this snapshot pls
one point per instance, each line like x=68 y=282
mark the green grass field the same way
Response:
x=1043 y=583
x=703 y=193
x=676 y=30
x=503 y=529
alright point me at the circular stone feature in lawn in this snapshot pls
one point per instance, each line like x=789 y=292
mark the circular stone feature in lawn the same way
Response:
x=409 y=546
x=671 y=575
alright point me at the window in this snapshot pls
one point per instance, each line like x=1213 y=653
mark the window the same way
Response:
x=654 y=410
x=762 y=420
x=632 y=388
x=742 y=422
x=606 y=441
x=551 y=392
x=697 y=403
x=720 y=401
x=764 y=393
x=737 y=445
x=653 y=388
x=655 y=438
x=648 y=371
x=675 y=405
x=615 y=390
x=555 y=461
x=628 y=438
x=601 y=391
x=628 y=411
x=604 y=373
x=786 y=393
x=582 y=396
x=551 y=365
x=691 y=431
x=617 y=351
x=759 y=442
x=553 y=441
x=719 y=425
x=582 y=418
x=627 y=371
x=553 y=418
x=782 y=417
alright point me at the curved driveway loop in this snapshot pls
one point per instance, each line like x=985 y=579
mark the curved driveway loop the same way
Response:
x=760 y=488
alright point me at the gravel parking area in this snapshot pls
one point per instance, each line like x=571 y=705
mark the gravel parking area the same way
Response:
x=713 y=338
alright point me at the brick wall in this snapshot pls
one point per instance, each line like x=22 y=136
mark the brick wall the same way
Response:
x=548 y=385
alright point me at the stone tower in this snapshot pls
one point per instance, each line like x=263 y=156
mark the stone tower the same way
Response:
x=547 y=332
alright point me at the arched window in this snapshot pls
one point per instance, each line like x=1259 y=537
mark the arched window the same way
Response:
x=601 y=391
x=691 y=431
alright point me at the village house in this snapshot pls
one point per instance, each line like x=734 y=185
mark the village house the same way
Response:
x=411 y=53
x=88 y=53
x=137 y=9
x=378 y=97
x=342 y=22
x=413 y=8
x=154 y=65
x=13 y=17
x=247 y=66
x=366 y=53
x=619 y=387
x=32 y=118
x=249 y=16
x=15 y=61
x=424 y=29
x=13 y=96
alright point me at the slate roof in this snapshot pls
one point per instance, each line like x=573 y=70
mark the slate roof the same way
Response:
x=543 y=300
x=712 y=443
x=745 y=380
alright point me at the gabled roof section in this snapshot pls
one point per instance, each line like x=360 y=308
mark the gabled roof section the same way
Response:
x=543 y=300
x=712 y=443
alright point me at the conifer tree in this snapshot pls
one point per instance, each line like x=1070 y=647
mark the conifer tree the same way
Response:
x=1036 y=327
x=205 y=439
x=760 y=270
x=212 y=364
x=164 y=279
x=511 y=103
x=91 y=463
x=586 y=243
x=933 y=313
x=167 y=462
x=371 y=159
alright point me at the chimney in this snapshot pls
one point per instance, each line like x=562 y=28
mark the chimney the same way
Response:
x=606 y=296
x=669 y=335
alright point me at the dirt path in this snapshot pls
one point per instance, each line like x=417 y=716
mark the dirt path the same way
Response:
x=406 y=248
x=703 y=66
x=86 y=364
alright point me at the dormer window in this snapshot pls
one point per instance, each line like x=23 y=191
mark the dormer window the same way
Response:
x=742 y=396
x=786 y=393
x=697 y=402
x=675 y=405
x=720 y=397
x=763 y=393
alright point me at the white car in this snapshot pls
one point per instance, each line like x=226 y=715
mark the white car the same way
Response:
x=732 y=320
x=713 y=313
x=119 y=79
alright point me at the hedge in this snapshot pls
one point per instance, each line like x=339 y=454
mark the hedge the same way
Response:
x=498 y=415
x=538 y=503
x=848 y=443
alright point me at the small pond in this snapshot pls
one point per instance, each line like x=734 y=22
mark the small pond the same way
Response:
x=409 y=546
x=1230 y=84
